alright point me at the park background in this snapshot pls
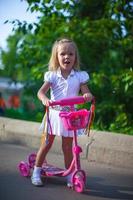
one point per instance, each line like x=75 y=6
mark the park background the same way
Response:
x=103 y=32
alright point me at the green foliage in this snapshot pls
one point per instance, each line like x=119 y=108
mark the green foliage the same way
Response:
x=103 y=31
x=24 y=115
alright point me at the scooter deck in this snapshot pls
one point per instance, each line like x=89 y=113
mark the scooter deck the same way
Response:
x=51 y=170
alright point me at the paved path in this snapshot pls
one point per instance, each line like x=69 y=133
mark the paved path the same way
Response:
x=102 y=147
x=103 y=182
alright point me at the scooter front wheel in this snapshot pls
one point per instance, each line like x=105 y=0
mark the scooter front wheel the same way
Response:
x=79 y=185
x=24 y=169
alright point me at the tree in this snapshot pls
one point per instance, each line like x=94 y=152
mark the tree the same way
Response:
x=103 y=33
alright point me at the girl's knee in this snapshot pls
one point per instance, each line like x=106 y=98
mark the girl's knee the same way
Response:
x=47 y=143
x=67 y=145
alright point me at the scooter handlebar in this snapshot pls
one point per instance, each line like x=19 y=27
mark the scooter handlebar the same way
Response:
x=69 y=101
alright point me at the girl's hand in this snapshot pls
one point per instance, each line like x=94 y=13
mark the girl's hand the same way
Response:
x=88 y=97
x=46 y=101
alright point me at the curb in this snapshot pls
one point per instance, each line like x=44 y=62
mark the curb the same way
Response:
x=102 y=147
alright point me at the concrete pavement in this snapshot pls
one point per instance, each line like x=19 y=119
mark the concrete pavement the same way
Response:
x=103 y=182
x=102 y=147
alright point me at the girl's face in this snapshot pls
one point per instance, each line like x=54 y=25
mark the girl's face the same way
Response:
x=66 y=56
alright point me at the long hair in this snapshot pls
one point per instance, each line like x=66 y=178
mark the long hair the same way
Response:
x=54 y=63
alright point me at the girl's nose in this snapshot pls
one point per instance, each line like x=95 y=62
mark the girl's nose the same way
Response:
x=66 y=56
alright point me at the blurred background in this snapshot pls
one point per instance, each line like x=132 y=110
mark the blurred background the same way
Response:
x=103 y=31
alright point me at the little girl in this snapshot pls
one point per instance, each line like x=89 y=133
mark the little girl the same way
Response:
x=64 y=79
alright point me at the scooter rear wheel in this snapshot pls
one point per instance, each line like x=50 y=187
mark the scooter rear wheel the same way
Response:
x=24 y=169
x=32 y=159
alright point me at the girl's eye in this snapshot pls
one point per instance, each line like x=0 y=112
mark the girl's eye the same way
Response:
x=71 y=54
x=62 y=54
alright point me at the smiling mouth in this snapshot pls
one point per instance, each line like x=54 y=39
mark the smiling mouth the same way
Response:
x=67 y=62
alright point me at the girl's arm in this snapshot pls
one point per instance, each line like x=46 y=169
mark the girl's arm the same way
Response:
x=42 y=93
x=86 y=92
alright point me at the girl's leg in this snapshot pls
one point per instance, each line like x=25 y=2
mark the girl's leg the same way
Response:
x=68 y=155
x=42 y=152
x=44 y=149
x=67 y=150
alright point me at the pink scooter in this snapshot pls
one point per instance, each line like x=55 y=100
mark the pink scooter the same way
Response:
x=72 y=120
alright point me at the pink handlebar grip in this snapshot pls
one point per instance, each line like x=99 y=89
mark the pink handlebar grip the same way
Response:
x=69 y=101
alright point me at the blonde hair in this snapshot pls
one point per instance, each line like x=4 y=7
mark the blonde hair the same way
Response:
x=53 y=62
